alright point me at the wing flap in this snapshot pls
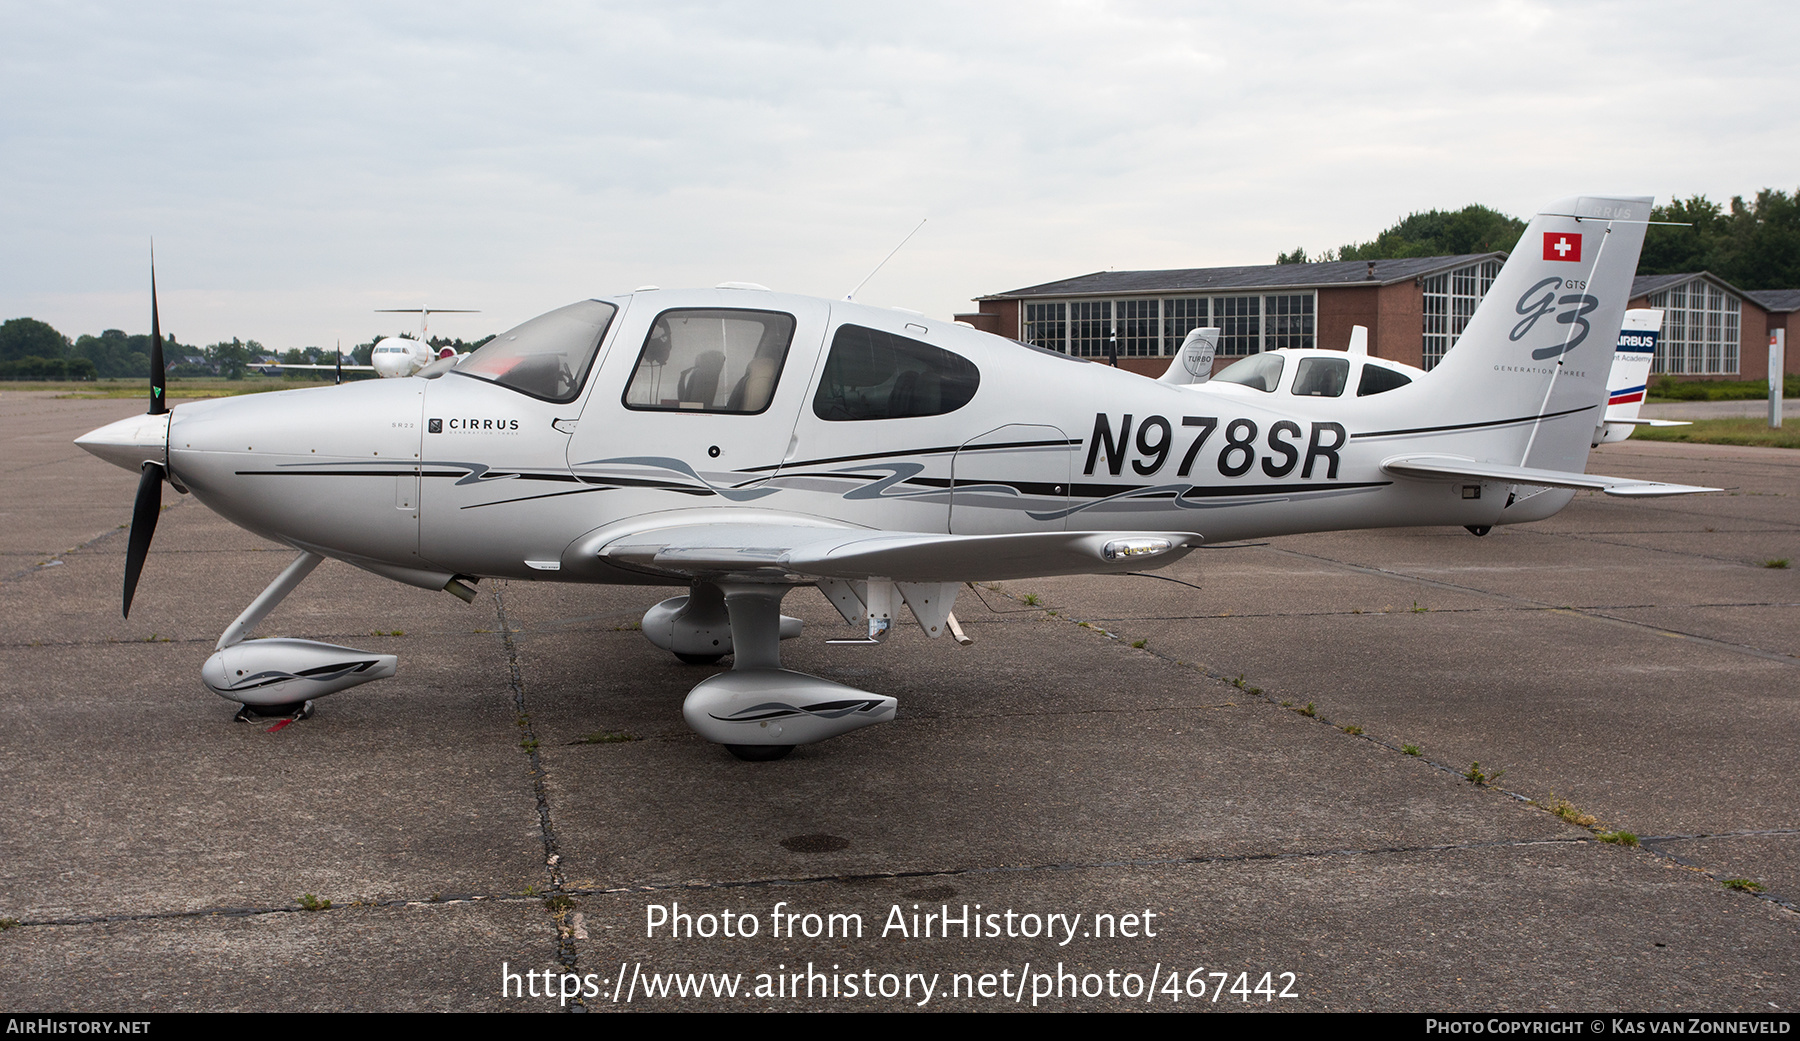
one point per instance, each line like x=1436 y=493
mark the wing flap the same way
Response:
x=855 y=554
x=1438 y=467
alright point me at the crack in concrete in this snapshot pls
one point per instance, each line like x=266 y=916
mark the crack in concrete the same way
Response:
x=1317 y=718
x=556 y=901
x=801 y=880
x=1589 y=613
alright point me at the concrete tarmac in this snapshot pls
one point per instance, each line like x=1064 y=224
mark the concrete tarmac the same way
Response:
x=1240 y=782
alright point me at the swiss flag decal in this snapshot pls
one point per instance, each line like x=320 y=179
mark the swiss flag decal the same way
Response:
x=1562 y=245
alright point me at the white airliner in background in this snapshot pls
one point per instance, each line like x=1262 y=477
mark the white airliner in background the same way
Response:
x=393 y=357
x=740 y=443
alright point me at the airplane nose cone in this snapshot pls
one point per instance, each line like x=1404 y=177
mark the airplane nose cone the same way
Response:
x=132 y=442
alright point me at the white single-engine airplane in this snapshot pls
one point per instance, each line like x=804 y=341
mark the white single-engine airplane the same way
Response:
x=741 y=443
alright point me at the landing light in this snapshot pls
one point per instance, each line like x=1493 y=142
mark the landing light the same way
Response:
x=1119 y=549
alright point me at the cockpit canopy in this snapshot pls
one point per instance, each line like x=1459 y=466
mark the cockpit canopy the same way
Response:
x=547 y=357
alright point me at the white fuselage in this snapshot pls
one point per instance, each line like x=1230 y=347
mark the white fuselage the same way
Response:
x=425 y=478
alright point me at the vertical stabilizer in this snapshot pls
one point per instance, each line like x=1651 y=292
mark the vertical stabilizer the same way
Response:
x=1531 y=367
x=1630 y=379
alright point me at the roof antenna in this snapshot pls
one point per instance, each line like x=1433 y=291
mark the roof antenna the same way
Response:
x=851 y=295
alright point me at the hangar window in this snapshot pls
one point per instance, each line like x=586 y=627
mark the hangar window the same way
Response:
x=711 y=361
x=1449 y=302
x=1152 y=326
x=1090 y=326
x=1137 y=329
x=1290 y=321
x=547 y=357
x=1239 y=319
x=1047 y=326
x=870 y=374
x=1181 y=316
x=1700 y=329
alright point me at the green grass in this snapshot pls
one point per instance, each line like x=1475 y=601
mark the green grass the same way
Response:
x=1778 y=563
x=179 y=388
x=1752 y=431
x=1668 y=389
x=608 y=737
x=1410 y=749
x=1618 y=838
x=1476 y=775
x=1742 y=885
x=313 y=903
x=1568 y=812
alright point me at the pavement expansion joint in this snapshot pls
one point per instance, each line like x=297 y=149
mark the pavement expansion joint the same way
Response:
x=1653 y=844
x=1319 y=719
x=1083 y=865
x=556 y=901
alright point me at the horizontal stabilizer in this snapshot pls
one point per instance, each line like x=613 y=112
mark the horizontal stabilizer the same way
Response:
x=1438 y=467
x=1649 y=422
x=819 y=552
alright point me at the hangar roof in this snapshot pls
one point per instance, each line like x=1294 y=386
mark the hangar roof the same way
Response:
x=1258 y=277
x=1776 y=300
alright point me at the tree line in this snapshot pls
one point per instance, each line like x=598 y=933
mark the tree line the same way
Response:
x=1751 y=244
x=34 y=350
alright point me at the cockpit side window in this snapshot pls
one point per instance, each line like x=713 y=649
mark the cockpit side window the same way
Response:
x=547 y=357
x=711 y=361
x=1321 y=377
x=875 y=375
x=1261 y=371
x=1378 y=379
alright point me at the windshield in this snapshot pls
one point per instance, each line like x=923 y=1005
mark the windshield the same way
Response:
x=1261 y=371
x=547 y=357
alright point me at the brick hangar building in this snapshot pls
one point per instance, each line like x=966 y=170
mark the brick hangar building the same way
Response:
x=1414 y=310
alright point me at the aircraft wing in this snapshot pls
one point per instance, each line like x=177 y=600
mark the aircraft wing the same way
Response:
x=1441 y=466
x=326 y=368
x=857 y=553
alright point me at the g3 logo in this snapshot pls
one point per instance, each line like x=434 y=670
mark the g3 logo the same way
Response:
x=1533 y=307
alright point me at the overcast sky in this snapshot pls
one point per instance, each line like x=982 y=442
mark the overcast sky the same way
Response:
x=301 y=165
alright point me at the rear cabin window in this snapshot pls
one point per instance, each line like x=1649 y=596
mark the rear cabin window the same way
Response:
x=1377 y=379
x=711 y=361
x=875 y=375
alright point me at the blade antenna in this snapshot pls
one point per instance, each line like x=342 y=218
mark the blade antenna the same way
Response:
x=851 y=295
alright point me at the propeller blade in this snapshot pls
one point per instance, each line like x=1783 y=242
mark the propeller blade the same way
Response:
x=158 y=375
x=143 y=527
